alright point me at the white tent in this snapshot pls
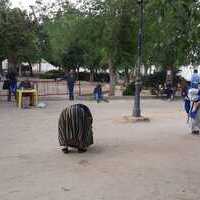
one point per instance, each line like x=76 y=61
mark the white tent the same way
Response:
x=44 y=66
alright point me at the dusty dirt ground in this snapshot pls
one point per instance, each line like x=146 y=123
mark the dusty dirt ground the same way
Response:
x=156 y=160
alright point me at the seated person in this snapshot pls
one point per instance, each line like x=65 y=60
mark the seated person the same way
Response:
x=26 y=84
x=98 y=95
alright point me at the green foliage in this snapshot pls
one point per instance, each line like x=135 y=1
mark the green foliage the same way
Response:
x=171 y=32
x=151 y=82
x=101 y=34
x=17 y=36
x=52 y=74
x=98 y=77
x=158 y=78
x=61 y=33
x=129 y=90
x=154 y=80
x=90 y=36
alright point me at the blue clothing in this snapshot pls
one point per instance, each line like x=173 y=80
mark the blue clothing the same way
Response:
x=195 y=80
x=98 y=93
x=25 y=85
x=13 y=87
x=71 y=91
x=98 y=97
x=71 y=79
x=189 y=105
x=11 y=77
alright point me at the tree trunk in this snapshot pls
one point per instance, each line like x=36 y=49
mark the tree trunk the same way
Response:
x=127 y=78
x=12 y=63
x=146 y=67
x=112 y=77
x=40 y=65
x=91 y=75
x=1 y=67
x=20 y=70
x=77 y=77
x=132 y=75
x=169 y=75
x=30 y=69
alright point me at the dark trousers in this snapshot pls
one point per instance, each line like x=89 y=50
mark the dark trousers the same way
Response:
x=98 y=97
x=71 y=91
x=12 y=90
x=169 y=93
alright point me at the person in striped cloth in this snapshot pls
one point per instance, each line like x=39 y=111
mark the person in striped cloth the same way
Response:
x=75 y=128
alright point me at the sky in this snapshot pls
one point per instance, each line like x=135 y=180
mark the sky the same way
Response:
x=24 y=4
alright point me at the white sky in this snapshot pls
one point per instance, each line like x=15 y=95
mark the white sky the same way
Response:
x=24 y=4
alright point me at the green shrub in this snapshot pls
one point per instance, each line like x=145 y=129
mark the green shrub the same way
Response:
x=151 y=82
x=98 y=77
x=52 y=74
x=130 y=90
x=156 y=79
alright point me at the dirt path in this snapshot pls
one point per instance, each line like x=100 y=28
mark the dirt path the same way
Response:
x=156 y=160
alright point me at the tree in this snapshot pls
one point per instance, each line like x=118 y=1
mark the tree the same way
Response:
x=117 y=43
x=19 y=38
x=61 y=31
x=171 y=31
x=3 y=9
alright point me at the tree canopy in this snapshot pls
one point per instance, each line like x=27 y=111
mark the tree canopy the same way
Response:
x=102 y=34
x=19 y=42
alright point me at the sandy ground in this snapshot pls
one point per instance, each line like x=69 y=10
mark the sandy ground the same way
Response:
x=156 y=160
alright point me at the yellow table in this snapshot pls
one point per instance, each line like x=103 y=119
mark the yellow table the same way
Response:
x=33 y=96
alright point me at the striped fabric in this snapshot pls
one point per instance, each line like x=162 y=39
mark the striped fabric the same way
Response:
x=75 y=127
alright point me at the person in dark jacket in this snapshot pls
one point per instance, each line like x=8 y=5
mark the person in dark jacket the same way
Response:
x=71 y=80
x=98 y=93
x=12 y=84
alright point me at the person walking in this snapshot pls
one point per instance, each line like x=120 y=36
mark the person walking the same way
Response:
x=169 y=90
x=12 y=84
x=98 y=94
x=71 y=80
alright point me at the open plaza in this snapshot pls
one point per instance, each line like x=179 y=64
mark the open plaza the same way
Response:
x=99 y=100
x=155 y=160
